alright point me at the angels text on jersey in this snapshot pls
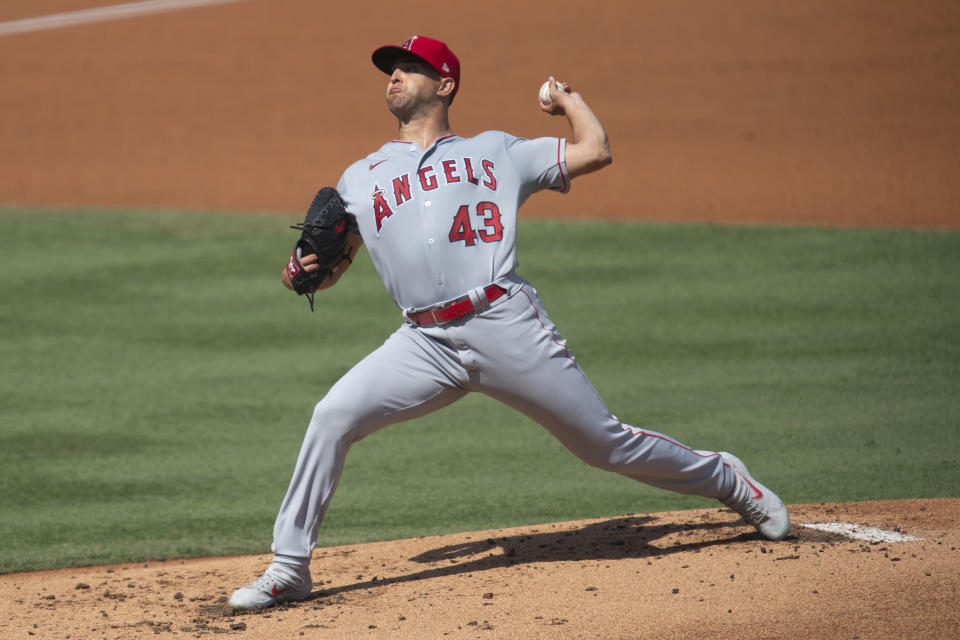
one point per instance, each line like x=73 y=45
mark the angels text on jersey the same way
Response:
x=480 y=173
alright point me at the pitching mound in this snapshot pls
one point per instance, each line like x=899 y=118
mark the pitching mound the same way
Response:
x=684 y=574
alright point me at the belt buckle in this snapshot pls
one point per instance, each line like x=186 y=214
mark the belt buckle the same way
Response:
x=436 y=310
x=433 y=312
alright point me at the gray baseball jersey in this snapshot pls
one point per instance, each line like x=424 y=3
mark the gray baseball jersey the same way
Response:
x=440 y=224
x=442 y=221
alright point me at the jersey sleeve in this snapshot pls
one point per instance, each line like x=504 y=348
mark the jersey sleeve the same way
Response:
x=540 y=163
x=343 y=189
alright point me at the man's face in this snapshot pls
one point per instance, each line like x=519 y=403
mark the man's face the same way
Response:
x=413 y=85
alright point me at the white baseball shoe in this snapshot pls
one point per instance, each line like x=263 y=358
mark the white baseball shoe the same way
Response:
x=758 y=505
x=277 y=584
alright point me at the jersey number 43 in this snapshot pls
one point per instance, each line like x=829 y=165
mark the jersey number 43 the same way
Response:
x=491 y=231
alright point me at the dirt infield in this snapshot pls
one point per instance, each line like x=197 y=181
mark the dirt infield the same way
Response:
x=686 y=574
x=822 y=112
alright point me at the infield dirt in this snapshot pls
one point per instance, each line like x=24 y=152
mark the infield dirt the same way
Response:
x=824 y=112
x=685 y=574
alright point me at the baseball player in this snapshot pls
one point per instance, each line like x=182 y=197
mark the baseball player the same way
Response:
x=438 y=214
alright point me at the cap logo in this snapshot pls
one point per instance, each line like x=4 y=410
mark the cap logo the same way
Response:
x=409 y=43
x=446 y=69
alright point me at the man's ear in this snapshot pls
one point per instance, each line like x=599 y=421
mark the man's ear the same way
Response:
x=447 y=85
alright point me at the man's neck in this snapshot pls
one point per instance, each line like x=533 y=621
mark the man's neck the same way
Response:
x=424 y=131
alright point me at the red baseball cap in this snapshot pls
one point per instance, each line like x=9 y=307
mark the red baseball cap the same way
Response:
x=435 y=53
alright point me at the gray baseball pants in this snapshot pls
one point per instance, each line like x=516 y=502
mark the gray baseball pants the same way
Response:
x=510 y=351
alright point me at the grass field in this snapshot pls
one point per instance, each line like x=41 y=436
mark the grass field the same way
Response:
x=157 y=378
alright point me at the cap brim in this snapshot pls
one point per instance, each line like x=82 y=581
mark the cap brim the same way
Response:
x=384 y=57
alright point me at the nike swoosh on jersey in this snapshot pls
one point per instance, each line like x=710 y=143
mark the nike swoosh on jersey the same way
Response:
x=376 y=163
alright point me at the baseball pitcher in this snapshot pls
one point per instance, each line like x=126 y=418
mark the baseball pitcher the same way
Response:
x=438 y=215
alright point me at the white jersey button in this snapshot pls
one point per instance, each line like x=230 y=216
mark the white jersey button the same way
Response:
x=429 y=240
x=427 y=203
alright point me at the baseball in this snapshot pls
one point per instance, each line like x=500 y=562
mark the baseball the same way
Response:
x=545 y=92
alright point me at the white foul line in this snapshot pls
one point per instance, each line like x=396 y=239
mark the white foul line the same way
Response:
x=859 y=532
x=100 y=14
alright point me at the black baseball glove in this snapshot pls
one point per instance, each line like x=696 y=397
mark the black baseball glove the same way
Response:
x=324 y=233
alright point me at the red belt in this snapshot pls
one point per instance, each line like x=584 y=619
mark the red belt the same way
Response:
x=456 y=309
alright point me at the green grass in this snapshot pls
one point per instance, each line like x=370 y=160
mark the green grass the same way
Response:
x=156 y=378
